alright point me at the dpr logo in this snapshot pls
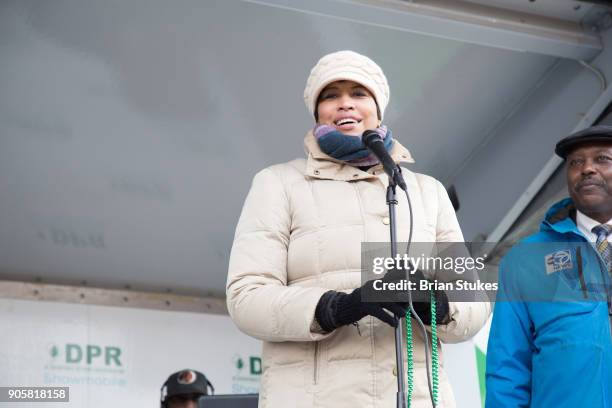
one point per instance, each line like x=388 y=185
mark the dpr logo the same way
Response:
x=247 y=375
x=88 y=354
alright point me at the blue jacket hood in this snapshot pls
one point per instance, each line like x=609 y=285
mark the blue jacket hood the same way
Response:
x=560 y=217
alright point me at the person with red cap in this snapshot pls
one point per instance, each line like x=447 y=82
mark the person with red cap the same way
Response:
x=184 y=388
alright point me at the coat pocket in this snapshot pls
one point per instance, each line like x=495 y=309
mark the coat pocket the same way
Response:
x=284 y=353
x=569 y=375
x=350 y=342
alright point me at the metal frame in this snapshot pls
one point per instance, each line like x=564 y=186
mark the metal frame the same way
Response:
x=568 y=98
x=110 y=297
x=461 y=21
x=549 y=168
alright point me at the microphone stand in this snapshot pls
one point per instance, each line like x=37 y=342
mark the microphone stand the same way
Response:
x=399 y=361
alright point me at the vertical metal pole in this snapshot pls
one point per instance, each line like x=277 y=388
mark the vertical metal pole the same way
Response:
x=399 y=357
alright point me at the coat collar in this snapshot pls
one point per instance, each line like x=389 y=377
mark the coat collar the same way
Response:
x=561 y=217
x=321 y=165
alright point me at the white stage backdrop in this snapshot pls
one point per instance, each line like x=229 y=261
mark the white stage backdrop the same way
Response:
x=119 y=357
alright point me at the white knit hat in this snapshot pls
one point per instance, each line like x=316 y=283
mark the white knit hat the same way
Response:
x=346 y=65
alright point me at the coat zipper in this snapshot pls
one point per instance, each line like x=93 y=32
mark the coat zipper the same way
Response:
x=610 y=319
x=603 y=267
x=581 y=273
x=316 y=363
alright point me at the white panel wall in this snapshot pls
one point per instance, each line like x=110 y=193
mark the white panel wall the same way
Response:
x=46 y=344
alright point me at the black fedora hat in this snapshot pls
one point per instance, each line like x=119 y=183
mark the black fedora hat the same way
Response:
x=601 y=133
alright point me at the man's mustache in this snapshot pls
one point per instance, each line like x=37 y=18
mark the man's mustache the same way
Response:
x=590 y=182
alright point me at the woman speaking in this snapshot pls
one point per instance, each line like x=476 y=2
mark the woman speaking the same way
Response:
x=294 y=276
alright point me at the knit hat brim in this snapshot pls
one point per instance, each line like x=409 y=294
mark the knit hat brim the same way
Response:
x=346 y=66
x=343 y=74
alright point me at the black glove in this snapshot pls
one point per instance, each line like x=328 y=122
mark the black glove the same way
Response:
x=423 y=309
x=421 y=299
x=336 y=309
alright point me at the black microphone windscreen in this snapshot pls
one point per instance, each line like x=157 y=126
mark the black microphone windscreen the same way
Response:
x=369 y=136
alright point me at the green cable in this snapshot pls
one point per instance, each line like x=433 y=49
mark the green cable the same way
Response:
x=434 y=353
x=410 y=373
x=434 y=350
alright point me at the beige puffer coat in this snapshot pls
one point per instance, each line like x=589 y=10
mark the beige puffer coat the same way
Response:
x=299 y=235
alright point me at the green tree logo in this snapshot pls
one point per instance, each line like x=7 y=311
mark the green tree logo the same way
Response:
x=239 y=363
x=53 y=351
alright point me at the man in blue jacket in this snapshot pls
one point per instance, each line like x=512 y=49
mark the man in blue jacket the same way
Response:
x=550 y=343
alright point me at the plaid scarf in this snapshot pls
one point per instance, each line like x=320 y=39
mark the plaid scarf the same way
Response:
x=348 y=148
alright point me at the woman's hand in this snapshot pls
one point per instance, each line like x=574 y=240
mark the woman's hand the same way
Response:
x=336 y=309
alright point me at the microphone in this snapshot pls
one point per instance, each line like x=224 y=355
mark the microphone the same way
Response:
x=374 y=143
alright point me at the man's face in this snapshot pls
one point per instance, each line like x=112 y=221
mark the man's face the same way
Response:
x=183 y=401
x=589 y=179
